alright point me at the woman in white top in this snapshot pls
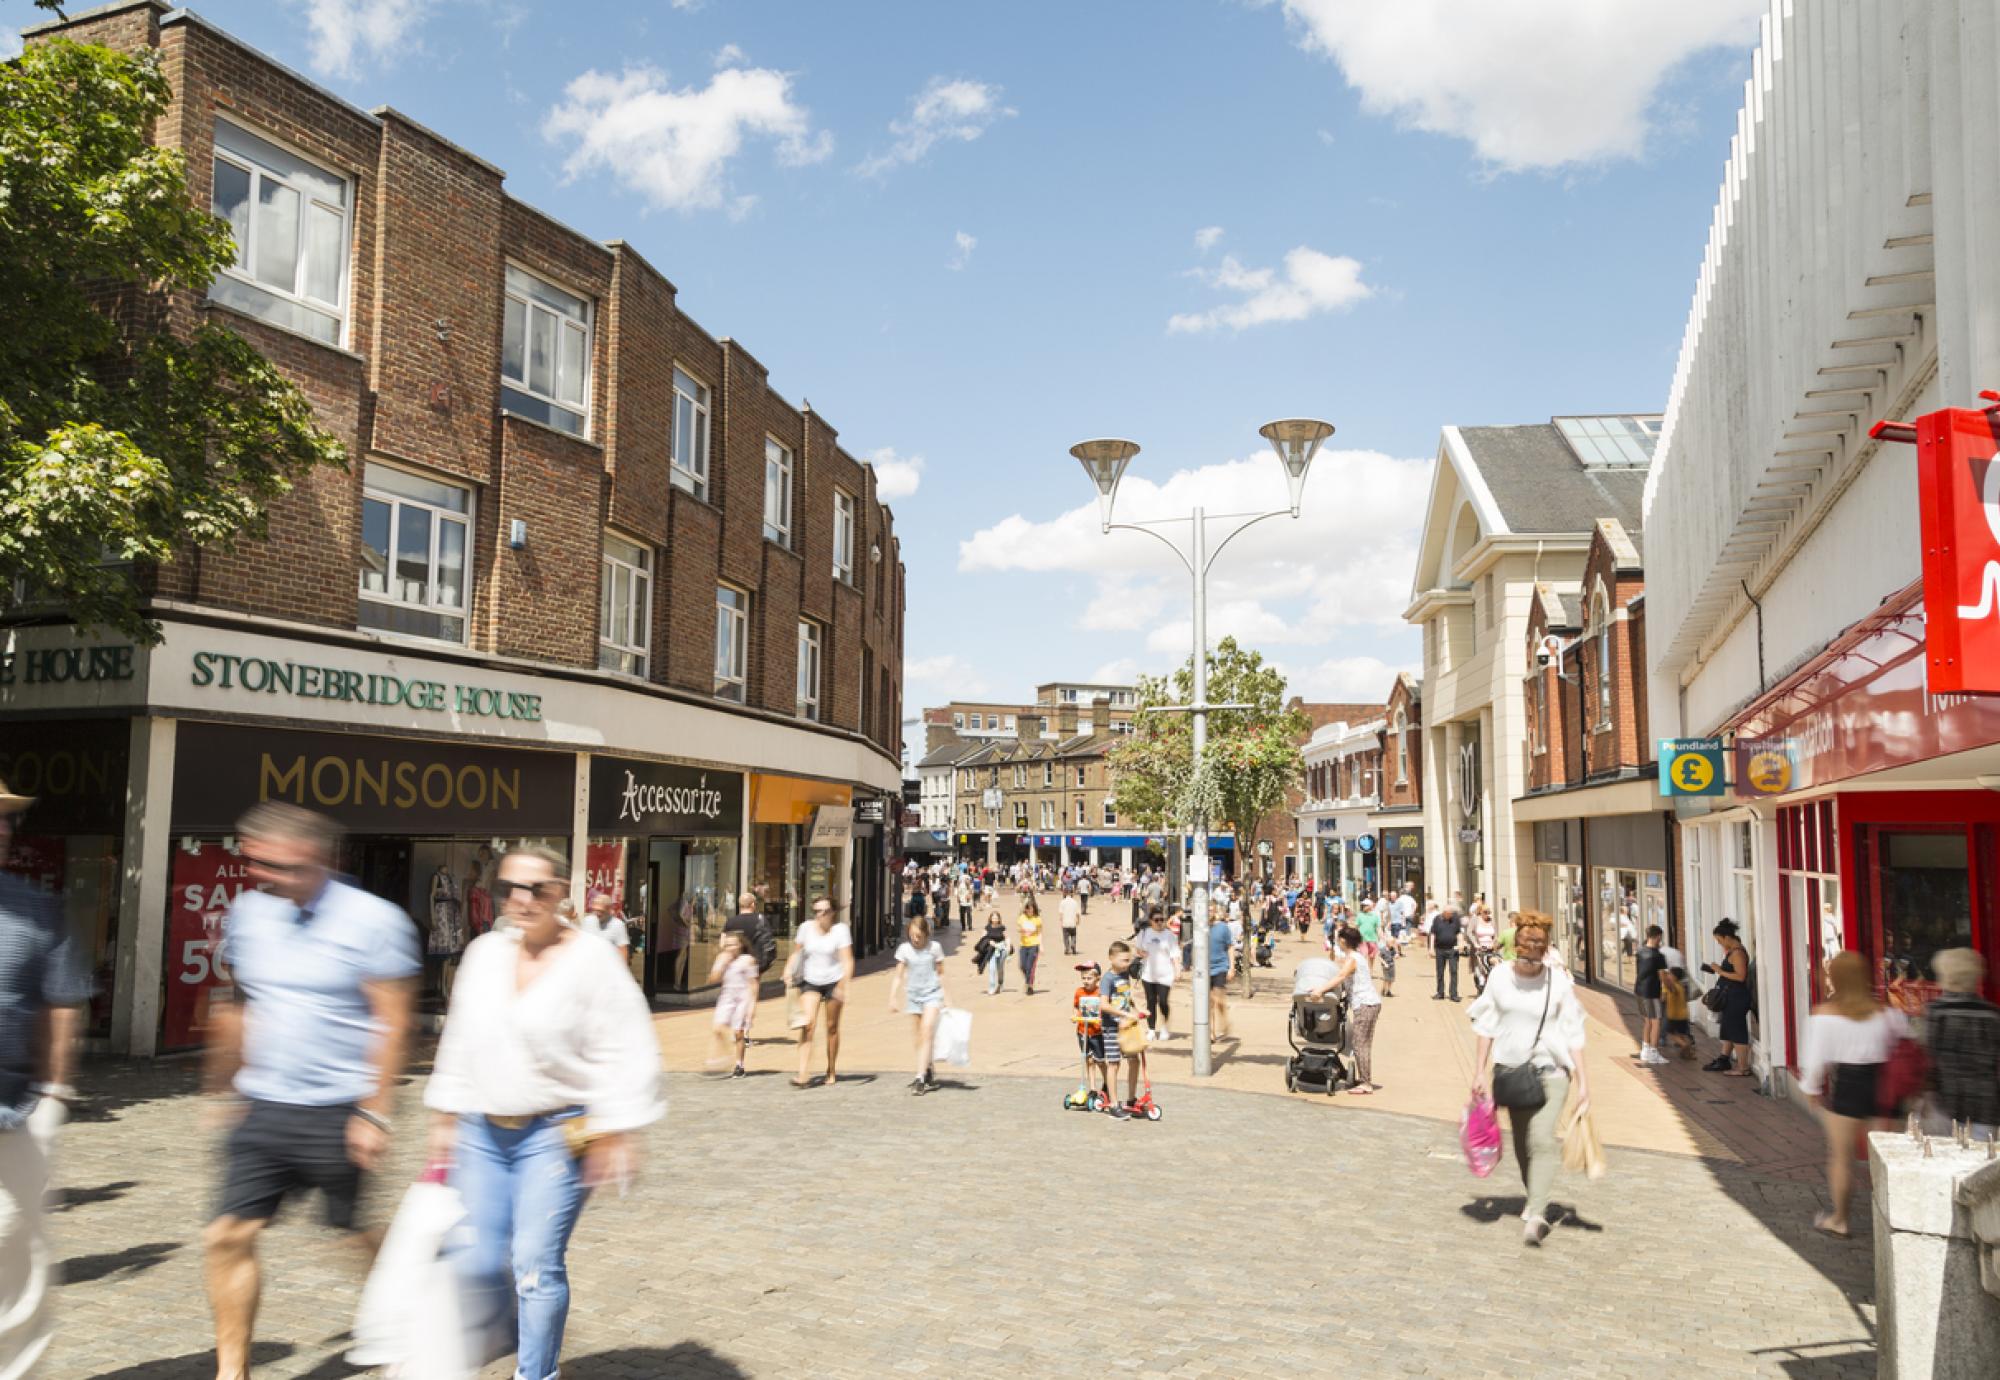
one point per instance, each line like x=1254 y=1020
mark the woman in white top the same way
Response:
x=1364 y=1006
x=1848 y=1040
x=918 y=990
x=547 y=1066
x=821 y=966
x=1159 y=968
x=1529 y=1014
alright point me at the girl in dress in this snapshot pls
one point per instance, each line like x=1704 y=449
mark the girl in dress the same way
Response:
x=919 y=983
x=736 y=969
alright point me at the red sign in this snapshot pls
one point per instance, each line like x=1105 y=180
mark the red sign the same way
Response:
x=1958 y=504
x=604 y=870
x=205 y=884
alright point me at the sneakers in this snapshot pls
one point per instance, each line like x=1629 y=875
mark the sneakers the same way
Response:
x=930 y=1080
x=1652 y=1056
x=739 y=1072
x=918 y=1087
x=1534 y=1231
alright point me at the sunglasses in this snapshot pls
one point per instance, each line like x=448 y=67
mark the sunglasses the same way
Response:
x=282 y=869
x=503 y=888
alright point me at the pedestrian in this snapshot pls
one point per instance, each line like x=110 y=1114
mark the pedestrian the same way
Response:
x=1031 y=942
x=1069 y=914
x=1391 y=950
x=1087 y=1013
x=1120 y=1015
x=1650 y=968
x=1445 y=933
x=1369 y=926
x=604 y=921
x=1733 y=980
x=1364 y=1006
x=735 y=969
x=1962 y=1037
x=1848 y=1039
x=964 y=893
x=1674 y=1003
x=1159 y=969
x=822 y=965
x=1482 y=941
x=1405 y=915
x=547 y=1067
x=1222 y=947
x=324 y=976
x=1529 y=1019
x=992 y=953
x=919 y=982
x=1083 y=889
x=755 y=928
x=42 y=990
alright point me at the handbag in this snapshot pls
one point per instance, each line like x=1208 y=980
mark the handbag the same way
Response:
x=1519 y=1086
x=1479 y=1136
x=1715 y=998
x=1905 y=1074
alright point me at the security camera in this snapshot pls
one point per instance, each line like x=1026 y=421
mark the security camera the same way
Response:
x=1542 y=658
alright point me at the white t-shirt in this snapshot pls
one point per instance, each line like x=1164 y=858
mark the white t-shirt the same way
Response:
x=1363 y=992
x=822 y=951
x=1162 y=951
x=1071 y=912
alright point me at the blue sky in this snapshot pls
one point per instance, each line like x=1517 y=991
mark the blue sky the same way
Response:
x=975 y=232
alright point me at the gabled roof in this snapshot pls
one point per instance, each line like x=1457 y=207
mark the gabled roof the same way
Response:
x=1559 y=611
x=1537 y=483
x=949 y=754
x=1624 y=544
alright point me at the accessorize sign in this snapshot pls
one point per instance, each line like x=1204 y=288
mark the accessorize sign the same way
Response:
x=371 y=785
x=634 y=797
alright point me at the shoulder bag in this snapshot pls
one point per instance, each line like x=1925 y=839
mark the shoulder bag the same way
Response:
x=1519 y=1086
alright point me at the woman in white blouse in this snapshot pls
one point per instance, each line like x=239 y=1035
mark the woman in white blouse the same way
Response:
x=1529 y=1014
x=547 y=1066
x=1848 y=1040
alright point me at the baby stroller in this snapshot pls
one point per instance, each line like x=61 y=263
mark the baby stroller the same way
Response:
x=1318 y=1035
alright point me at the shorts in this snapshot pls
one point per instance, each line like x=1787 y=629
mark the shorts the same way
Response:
x=1652 y=1008
x=916 y=1003
x=277 y=1149
x=733 y=1012
x=1369 y=948
x=1680 y=1027
x=826 y=990
x=1112 y=1054
x=1091 y=1045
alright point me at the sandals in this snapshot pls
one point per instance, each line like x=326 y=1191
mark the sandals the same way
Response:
x=1823 y=1223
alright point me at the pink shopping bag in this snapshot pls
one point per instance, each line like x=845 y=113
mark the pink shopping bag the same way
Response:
x=1479 y=1135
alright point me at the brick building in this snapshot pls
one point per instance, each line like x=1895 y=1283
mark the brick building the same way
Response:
x=1603 y=839
x=588 y=578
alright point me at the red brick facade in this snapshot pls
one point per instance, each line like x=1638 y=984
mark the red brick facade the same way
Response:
x=1586 y=707
x=417 y=384
x=1403 y=782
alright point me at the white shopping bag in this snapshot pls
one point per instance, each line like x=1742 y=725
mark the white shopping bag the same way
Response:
x=953 y=1044
x=410 y=1320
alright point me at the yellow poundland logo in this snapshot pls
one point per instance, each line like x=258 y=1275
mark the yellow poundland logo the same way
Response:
x=1693 y=772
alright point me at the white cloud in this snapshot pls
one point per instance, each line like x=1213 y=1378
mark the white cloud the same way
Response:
x=962 y=255
x=1312 y=283
x=944 y=110
x=1123 y=671
x=1341 y=570
x=729 y=55
x=10 y=42
x=896 y=476
x=672 y=146
x=1207 y=237
x=1326 y=137
x=947 y=672
x=345 y=32
x=1529 y=83
x=1349 y=678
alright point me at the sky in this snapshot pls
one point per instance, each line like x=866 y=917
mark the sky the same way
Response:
x=974 y=233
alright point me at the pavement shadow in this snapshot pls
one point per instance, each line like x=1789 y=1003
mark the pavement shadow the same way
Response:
x=1857 y=1355
x=197 y=1365
x=82 y=1269
x=685 y=1359
x=1490 y=1209
x=63 y=1199
x=113 y=1086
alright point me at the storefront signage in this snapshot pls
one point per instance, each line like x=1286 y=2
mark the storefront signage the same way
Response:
x=268 y=676
x=1468 y=836
x=371 y=785
x=1403 y=842
x=1691 y=766
x=75 y=772
x=634 y=798
x=873 y=810
x=1958 y=509
x=1765 y=766
x=1364 y=843
x=66 y=665
x=206 y=881
x=831 y=826
x=1326 y=826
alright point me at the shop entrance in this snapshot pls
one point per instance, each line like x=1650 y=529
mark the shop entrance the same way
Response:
x=1922 y=873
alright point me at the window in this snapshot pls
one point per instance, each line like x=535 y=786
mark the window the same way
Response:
x=624 y=606
x=1020 y=814
x=1110 y=814
x=808 y=669
x=1079 y=774
x=968 y=816
x=1008 y=724
x=1048 y=773
x=1080 y=820
x=1402 y=748
x=687 y=462
x=1538 y=710
x=545 y=354
x=414 y=577
x=1048 y=814
x=1020 y=776
x=732 y=643
x=777 y=493
x=290 y=221
x=843 y=537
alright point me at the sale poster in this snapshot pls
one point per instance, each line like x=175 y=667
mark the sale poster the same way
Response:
x=604 y=870
x=205 y=883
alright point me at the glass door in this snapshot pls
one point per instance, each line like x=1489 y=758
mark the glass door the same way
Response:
x=1916 y=898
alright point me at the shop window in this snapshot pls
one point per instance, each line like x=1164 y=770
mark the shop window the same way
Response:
x=777 y=493
x=732 y=643
x=624 y=606
x=687 y=463
x=290 y=220
x=414 y=577
x=545 y=354
x=809 y=663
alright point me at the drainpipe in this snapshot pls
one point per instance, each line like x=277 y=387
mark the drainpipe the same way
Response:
x=1758 y=605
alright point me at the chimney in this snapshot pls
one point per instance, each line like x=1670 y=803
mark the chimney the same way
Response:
x=1100 y=715
x=1066 y=719
x=1028 y=728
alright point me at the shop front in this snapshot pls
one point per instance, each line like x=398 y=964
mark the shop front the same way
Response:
x=1559 y=886
x=1628 y=892
x=665 y=840
x=1402 y=848
x=794 y=861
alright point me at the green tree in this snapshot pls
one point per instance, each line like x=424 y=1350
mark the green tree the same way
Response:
x=1252 y=757
x=122 y=444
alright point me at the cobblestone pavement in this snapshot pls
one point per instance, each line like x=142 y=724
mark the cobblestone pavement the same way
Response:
x=983 y=1231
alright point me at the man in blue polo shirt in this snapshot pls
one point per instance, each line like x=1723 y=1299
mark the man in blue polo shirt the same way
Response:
x=324 y=976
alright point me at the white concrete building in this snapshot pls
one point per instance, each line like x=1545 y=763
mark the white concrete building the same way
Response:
x=936 y=793
x=1849 y=276
x=1510 y=507
x=1337 y=845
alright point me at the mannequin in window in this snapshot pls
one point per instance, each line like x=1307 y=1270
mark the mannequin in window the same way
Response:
x=447 y=937
x=479 y=893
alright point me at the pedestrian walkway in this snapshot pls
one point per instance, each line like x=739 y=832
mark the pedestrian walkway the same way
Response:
x=1423 y=1049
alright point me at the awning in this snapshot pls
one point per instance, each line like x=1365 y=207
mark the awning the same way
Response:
x=1638 y=796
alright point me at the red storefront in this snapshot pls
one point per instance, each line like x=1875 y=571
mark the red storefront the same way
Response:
x=1888 y=836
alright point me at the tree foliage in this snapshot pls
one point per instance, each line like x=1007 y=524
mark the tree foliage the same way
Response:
x=1252 y=757
x=120 y=446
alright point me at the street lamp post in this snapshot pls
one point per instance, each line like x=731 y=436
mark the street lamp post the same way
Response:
x=1296 y=440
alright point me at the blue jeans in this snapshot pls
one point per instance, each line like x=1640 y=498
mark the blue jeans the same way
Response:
x=1029 y=955
x=523 y=1192
x=996 y=971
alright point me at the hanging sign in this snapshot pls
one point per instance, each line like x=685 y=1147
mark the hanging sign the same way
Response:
x=1765 y=766
x=1691 y=766
x=1958 y=509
